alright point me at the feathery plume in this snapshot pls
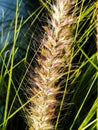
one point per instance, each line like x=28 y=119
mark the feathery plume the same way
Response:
x=55 y=53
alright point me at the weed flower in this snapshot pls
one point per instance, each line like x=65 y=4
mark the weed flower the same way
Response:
x=55 y=54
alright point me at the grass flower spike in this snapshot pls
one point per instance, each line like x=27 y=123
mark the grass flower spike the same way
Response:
x=55 y=53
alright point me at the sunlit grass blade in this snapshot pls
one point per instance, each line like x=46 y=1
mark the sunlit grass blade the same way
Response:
x=94 y=78
x=11 y=67
x=89 y=115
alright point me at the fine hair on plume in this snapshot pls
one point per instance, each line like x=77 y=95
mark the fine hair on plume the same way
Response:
x=54 y=54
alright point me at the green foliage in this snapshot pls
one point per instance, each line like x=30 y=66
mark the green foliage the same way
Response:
x=81 y=80
x=14 y=48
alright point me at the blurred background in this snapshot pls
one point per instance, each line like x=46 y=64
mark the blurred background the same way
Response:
x=27 y=19
x=20 y=31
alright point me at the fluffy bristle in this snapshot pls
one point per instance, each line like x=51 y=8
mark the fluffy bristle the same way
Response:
x=55 y=53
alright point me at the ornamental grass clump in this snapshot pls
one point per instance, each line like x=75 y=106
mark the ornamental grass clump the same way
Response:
x=55 y=54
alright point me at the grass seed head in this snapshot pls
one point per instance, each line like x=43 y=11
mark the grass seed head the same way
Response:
x=55 y=53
